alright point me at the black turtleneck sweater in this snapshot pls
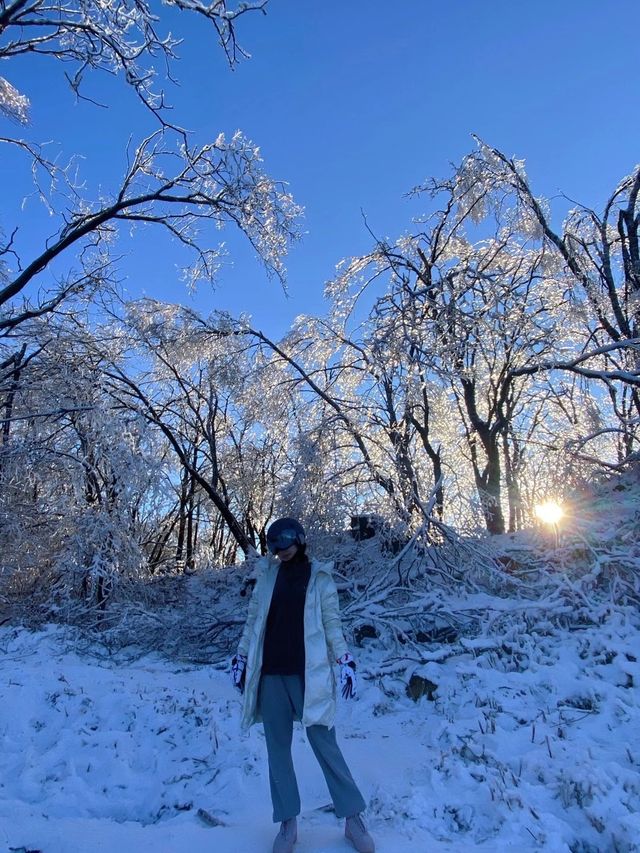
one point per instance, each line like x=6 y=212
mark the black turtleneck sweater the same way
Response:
x=283 y=650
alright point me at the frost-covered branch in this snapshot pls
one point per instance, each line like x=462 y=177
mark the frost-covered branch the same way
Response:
x=182 y=189
x=118 y=37
x=575 y=365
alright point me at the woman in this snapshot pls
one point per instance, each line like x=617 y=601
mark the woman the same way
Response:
x=284 y=667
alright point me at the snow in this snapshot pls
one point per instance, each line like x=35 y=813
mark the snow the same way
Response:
x=530 y=744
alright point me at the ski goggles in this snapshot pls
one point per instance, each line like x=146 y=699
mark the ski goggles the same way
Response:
x=285 y=539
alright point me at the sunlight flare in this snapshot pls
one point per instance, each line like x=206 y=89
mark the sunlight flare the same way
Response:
x=549 y=512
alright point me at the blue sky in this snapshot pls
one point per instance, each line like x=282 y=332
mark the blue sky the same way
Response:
x=353 y=103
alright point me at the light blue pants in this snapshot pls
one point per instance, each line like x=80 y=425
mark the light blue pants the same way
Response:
x=280 y=700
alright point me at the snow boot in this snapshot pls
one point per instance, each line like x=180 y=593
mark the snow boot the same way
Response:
x=356 y=832
x=287 y=836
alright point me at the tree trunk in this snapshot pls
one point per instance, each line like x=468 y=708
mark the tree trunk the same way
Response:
x=8 y=405
x=488 y=476
x=511 y=467
x=422 y=428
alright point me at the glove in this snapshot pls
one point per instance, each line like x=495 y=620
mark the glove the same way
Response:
x=348 y=676
x=239 y=671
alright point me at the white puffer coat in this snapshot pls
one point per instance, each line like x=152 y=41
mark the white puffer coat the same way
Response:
x=324 y=643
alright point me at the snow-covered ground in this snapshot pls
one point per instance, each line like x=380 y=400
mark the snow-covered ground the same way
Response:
x=532 y=743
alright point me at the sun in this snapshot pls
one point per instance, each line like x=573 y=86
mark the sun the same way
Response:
x=550 y=512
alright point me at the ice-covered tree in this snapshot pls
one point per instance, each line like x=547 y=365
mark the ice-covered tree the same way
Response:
x=185 y=189
x=80 y=482
x=460 y=310
x=199 y=384
x=599 y=254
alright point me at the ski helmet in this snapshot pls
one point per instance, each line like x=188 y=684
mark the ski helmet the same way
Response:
x=284 y=533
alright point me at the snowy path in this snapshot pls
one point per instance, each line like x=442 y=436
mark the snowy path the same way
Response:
x=540 y=756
